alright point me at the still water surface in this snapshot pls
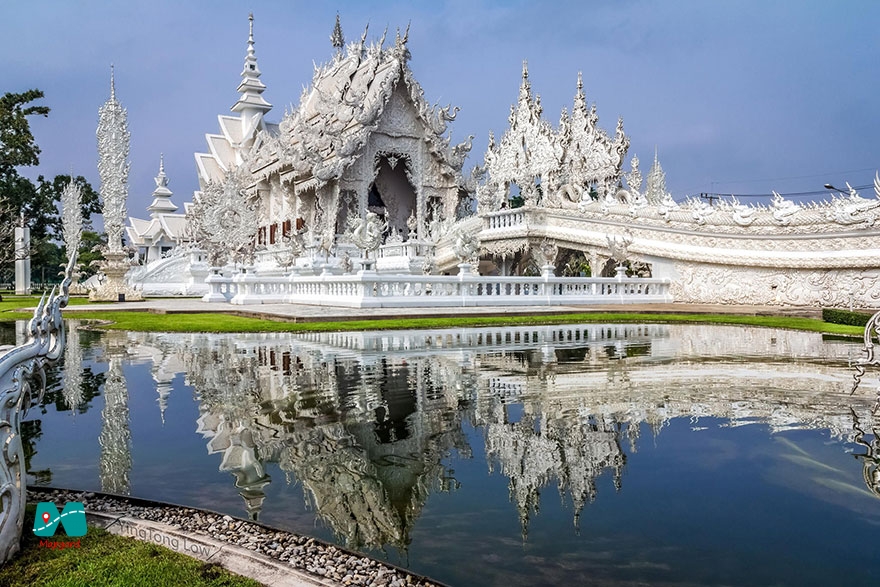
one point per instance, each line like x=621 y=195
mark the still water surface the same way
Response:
x=592 y=454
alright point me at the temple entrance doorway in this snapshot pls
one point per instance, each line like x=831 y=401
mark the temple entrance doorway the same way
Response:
x=391 y=195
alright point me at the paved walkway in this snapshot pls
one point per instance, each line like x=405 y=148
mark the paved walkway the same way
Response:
x=306 y=313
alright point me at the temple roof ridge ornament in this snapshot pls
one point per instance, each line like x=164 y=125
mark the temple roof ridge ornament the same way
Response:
x=336 y=37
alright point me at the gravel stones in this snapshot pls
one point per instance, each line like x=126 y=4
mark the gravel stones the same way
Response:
x=325 y=561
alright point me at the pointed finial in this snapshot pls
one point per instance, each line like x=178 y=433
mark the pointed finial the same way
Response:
x=336 y=38
x=251 y=35
x=525 y=71
x=161 y=179
x=580 y=81
x=655 y=154
x=112 y=83
x=384 y=35
x=406 y=34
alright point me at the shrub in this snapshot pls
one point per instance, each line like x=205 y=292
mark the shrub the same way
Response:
x=836 y=316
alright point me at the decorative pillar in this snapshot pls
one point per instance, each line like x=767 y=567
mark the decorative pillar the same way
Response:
x=113 y=166
x=71 y=224
x=22 y=259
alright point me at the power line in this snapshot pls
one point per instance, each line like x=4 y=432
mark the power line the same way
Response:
x=798 y=176
x=716 y=195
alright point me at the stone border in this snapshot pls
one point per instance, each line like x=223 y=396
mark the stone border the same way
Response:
x=265 y=554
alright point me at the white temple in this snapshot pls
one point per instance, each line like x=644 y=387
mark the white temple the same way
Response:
x=365 y=154
x=156 y=238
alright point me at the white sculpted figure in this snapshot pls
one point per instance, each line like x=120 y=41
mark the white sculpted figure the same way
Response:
x=467 y=246
x=783 y=210
x=619 y=248
x=366 y=233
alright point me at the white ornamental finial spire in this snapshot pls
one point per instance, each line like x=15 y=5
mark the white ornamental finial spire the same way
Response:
x=525 y=88
x=161 y=195
x=71 y=216
x=336 y=37
x=655 y=184
x=251 y=105
x=113 y=165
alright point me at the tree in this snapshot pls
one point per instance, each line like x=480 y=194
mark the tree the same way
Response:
x=19 y=196
x=17 y=145
x=17 y=148
x=88 y=254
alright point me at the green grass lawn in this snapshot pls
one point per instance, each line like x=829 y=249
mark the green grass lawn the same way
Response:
x=108 y=560
x=218 y=322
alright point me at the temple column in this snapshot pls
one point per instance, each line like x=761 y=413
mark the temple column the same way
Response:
x=22 y=259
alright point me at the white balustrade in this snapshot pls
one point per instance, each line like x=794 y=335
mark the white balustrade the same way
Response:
x=369 y=289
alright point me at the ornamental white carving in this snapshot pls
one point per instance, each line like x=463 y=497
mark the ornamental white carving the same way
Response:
x=225 y=221
x=71 y=221
x=113 y=166
x=366 y=233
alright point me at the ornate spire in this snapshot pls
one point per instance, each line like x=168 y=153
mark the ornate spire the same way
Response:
x=251 y=103
x=336 y=37
x=655 y=183
x=113 y=165
x=525 y=88
x=112 y=84
x=161 y=195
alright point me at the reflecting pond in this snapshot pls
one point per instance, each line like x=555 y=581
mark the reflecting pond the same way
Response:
x=607 y=454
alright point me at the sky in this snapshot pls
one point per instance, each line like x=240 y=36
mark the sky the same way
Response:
x=737 y=97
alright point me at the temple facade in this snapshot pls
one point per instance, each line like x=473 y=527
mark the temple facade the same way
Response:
x=364 y=171
x=362 y=139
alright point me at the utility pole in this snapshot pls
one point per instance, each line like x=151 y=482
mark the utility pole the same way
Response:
x=710 y=197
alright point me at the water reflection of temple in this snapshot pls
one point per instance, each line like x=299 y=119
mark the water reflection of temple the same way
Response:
x=365 y=421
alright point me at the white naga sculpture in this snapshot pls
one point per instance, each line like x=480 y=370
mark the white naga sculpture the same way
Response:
x=22 y=384
x=113 y=166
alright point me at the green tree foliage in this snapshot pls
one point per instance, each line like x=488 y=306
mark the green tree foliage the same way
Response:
x=17 y=145
x=37 y=203
x=87 y=253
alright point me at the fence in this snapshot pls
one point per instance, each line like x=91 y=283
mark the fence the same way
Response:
x=368 y=289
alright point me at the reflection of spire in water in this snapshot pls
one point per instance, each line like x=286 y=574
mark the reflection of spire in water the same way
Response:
x=115 y=437
x=164 y=392
x=72 y=382
x=871 y=458
x=236 y=443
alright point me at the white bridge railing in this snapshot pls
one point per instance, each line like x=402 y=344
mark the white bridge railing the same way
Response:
x=376 y=290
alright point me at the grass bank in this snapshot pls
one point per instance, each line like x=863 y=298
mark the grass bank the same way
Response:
x=219 y=322
x=105 y=559
x=215 y=322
